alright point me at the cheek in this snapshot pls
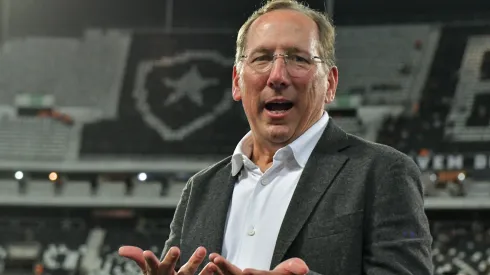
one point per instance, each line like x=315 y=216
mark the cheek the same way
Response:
x=252 y=87
x=254 y=82
x=313 y=94
x=307 y=89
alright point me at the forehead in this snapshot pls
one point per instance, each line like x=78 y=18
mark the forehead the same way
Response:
x=283 y=29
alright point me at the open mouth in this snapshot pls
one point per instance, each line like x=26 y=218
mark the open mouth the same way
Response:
x=278 y=107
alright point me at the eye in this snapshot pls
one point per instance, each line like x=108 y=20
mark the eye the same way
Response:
x=262 y=58
x=299 y=59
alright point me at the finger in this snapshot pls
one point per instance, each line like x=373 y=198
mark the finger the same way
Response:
x=292 y=266
x=167 y=266
x=226 y=267
x=297 y=266
x=251 y=271
x=152 y=262
x=213 y=256
x=218 y=271
x=133 y=253
x=209 y=269
x=195 y=260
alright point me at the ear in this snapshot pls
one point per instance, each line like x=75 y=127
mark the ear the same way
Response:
x=237 y=92
x=333 y=80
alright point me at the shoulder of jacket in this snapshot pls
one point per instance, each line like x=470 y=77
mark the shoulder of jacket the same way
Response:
x=381 y=155
x=210 y=170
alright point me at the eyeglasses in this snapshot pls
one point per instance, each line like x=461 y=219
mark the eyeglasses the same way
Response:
x=297 y=65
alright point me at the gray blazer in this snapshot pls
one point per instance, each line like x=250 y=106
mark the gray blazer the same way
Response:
x=357 y=209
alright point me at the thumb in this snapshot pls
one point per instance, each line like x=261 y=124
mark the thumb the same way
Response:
x=294 y=266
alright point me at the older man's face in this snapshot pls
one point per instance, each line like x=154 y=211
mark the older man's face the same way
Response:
x=283 y=102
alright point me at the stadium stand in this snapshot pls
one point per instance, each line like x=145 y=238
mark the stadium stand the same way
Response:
x=470 y=115
x=147 y=234
x=77 y=241
x=461 y=248
x=55 y=243
x=85 y=241
x=84 y=72
x=33 y=138
x=385 y=64
x=438 y=120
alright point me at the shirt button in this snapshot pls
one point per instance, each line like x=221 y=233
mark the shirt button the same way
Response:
x=251 y=232
x=263 y=181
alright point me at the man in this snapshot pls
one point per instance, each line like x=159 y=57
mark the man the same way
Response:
x=298 y=195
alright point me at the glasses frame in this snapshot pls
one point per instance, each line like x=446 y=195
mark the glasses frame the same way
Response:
x=314 y=59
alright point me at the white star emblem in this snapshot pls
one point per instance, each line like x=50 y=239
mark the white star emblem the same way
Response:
x=191 y=84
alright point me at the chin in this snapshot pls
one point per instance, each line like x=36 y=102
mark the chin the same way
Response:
x=279 y=133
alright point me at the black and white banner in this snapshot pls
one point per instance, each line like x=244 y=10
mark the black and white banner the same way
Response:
x=176 y=100
x=444 y=162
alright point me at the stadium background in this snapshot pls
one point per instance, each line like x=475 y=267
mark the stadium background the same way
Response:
x=107 y=107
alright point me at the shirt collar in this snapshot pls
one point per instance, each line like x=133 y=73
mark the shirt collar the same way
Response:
x=301 y=147
x=242 y=151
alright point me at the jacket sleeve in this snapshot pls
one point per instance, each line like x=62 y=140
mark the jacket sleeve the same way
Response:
x=397 y=237
x=177 y=222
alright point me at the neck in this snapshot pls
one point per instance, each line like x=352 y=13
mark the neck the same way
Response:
x=262 y=154
x=263 y=151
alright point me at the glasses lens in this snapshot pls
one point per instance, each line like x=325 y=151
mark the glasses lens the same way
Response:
x=261 y=66
x=298 y=70
x=296 y=66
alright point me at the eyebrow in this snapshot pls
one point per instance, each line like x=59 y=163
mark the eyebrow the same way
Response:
x=268 y=50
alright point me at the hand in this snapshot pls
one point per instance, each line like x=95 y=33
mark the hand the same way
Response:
x=150 y=265
x=293 y=266
x=224 y=266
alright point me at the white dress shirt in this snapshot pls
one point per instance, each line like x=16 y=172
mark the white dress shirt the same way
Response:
x=260 y=200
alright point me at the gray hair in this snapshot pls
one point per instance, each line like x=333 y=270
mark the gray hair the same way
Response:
x=326 y=30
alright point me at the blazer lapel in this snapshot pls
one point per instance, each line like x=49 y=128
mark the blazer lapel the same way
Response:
x=219 y=206
x=321 y=169
x=211 y=212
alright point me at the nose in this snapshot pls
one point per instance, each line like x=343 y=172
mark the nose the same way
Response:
x=278 y=77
